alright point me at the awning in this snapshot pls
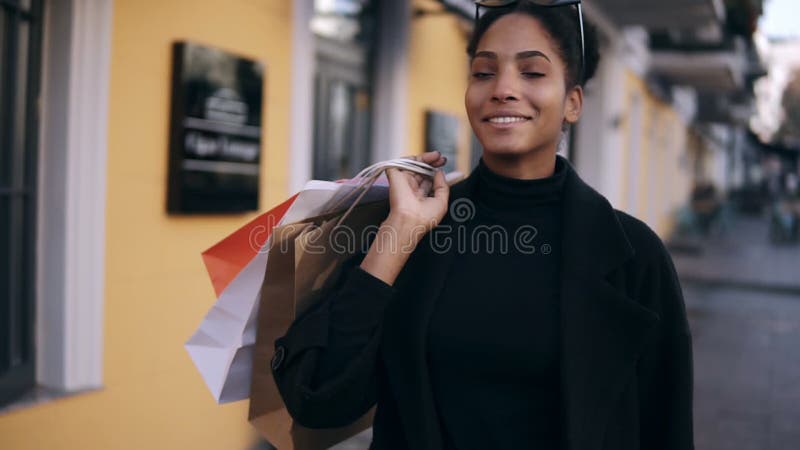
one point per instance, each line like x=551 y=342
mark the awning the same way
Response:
x=662 y=14
x=712 y=71
x=652 y=14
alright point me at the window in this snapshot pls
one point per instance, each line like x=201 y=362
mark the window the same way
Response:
x=345 y=36
x=20 y=48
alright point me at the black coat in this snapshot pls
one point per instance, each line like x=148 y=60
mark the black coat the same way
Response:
x=626 y=357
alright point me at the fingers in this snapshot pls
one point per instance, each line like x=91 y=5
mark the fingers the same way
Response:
x=434 y=158
x=420 y=184
x=440 y=189
x=429 y=157
x=399 y=181
x=425 y=187
x=392 y=174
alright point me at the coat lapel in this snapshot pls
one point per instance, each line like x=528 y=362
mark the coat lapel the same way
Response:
x=405 y=348
x=603 y=330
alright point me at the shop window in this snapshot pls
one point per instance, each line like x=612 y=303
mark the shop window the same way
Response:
x=344 y=33
x=20 y=44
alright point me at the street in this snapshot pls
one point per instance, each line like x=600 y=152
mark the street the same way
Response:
x=743 y=300
x=747 y=368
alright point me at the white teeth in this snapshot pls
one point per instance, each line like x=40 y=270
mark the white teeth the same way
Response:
x=507 y=119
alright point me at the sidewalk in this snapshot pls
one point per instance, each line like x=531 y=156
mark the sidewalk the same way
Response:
x=742 y=257
x=746 y=368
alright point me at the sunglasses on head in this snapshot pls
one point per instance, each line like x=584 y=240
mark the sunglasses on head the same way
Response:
x=489 y=4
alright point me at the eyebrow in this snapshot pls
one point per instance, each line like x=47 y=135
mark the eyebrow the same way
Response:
x=520 y=55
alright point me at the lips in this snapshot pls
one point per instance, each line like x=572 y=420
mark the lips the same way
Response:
x=504 y=120
x=506 y=117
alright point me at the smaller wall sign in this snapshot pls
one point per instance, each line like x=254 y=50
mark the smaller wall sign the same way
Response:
x=441 y=134
x=215 y=131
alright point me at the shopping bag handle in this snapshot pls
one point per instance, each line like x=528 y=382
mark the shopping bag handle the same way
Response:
x=411 y=165
x=369 y=175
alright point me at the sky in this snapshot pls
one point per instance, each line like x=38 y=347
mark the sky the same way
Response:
x=780 y=19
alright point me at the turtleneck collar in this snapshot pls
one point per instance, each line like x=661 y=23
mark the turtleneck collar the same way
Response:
x=503 y=194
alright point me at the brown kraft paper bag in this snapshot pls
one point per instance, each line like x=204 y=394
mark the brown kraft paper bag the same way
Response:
x=301 y=268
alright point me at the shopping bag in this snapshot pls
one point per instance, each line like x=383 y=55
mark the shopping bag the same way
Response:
x=230 y=256
x=221 y=347
x=296 y=278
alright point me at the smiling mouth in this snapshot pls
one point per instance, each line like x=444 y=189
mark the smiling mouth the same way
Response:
x=506 y=119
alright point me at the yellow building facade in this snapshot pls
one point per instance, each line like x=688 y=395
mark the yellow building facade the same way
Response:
x=657 y=174
x=154 y=287
x=438 y=75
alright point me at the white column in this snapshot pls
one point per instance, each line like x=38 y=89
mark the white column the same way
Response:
x=72 y=194
x=390 y=106
x=302 y=105
x=612 y=180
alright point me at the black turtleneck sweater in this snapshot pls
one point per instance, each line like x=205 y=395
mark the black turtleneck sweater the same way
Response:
x=494 y=334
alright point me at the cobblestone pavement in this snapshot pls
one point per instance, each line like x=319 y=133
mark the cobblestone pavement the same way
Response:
x=747 y=368
x=743 y=300
x=742 y=256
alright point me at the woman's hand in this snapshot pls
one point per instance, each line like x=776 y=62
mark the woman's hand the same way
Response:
x=412 y=214
x=411 y=207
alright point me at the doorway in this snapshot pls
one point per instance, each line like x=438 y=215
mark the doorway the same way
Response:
x=345 y=36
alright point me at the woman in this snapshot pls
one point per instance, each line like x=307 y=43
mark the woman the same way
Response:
x=533 y=315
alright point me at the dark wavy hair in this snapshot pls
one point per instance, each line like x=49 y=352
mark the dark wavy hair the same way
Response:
x=561 y=23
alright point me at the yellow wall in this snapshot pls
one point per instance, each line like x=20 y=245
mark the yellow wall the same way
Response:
x=156 y=289
x=438 y=72
x=662 y=178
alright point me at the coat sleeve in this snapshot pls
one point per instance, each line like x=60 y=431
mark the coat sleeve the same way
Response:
x=666 y=369
x=328 y=373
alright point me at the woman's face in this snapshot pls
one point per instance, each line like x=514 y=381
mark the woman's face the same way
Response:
x=516 y=98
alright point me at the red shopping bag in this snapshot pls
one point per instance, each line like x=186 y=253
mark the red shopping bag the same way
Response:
x=229 y=256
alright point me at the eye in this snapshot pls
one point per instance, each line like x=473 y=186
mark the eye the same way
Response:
x=481 y=75
x=532 y=74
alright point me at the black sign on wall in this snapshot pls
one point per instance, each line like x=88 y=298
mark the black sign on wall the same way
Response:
x=215 y=131
x=441 y=134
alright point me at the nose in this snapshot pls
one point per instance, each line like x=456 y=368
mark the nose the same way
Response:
x=505 y=88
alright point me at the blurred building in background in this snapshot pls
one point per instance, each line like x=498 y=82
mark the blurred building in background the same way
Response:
x=675 y=93
x=101 y=286
x=782 y=57
x=776 y=122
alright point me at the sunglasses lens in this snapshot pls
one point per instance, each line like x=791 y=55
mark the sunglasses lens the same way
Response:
x=494 y=3
x=546 y=2
x=554 y=2
x=501 y=3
